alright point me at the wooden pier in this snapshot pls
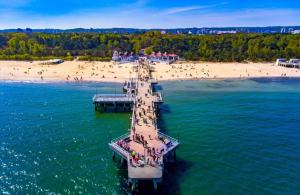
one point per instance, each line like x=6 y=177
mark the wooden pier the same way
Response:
x=144 y=147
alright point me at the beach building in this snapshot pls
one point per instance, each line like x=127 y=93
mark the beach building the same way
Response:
x=159 y=57
x=125 y=57
x=280 y=60
x=56 y=61
x=292 y=63
x=220 y=32
x=116 y=56
x=296 y=32
x=53 y=62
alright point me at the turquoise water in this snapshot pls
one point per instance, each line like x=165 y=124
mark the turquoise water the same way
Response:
x=237 y=137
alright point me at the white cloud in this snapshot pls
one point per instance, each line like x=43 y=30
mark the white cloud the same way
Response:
x=183 y=9
x=176 y=10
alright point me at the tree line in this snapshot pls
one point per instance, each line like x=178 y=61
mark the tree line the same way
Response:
x=95 y=46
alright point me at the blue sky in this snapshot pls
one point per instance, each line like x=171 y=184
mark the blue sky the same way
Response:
x=147 y=13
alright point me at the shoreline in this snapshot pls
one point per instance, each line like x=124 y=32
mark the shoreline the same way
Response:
x=120 y=82
x=108 y=72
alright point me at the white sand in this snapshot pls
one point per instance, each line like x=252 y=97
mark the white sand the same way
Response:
x=109 y=72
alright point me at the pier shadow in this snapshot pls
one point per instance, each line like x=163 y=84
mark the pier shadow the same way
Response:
x=174 y=172
x=158 y=88
x=165 y=109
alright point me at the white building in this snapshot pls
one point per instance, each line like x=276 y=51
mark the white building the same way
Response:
x=227 y=32
x=296 y=32
x=292 y=63
x=123 y=57
x=280 y=60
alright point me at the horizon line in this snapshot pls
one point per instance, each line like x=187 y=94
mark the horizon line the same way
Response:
x=137 y=28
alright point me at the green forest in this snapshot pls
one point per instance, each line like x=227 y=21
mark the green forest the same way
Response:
x=95 y=46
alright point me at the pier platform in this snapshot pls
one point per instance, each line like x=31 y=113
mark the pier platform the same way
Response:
x=99 y=98
x=113 y=102
x=121 y=102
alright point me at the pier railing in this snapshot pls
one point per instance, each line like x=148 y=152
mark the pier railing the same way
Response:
x=133 y=117
x=113 y=144
x=174 y=142
x=168 y=137
x=133 y=121
x=119 y=150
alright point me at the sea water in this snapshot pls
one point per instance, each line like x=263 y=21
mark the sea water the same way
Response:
x=237 y=137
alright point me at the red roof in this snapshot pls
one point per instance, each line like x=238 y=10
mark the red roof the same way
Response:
x=159 y=54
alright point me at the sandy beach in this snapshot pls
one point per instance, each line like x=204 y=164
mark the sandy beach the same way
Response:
x=110 y=72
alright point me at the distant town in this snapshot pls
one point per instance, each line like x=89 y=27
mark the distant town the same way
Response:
x=191 y=31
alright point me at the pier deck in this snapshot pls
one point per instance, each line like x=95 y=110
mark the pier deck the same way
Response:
x=144 y=148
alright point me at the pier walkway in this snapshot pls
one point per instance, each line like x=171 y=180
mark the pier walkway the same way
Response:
x=144 y=148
